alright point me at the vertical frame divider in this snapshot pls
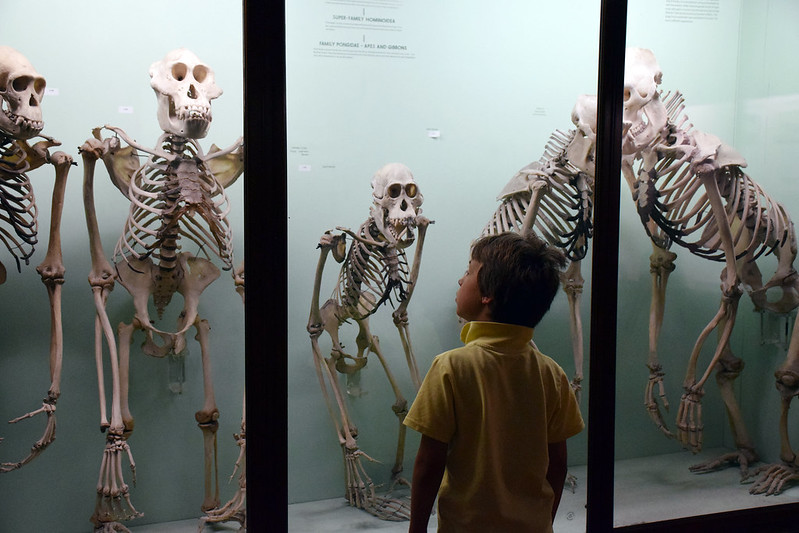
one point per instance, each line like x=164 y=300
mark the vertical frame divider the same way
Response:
x=266 y=259
x=604 y=270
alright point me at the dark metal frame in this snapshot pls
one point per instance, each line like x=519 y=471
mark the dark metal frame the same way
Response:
x=266 y=257
x=605 y=263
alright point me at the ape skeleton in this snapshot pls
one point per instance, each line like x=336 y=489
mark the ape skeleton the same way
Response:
x=21 y=92
x=374 y=270
x=554 y=197
x=689 y=189
x=177 y=194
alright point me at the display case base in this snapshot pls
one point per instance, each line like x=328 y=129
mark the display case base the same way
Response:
x=184 y=526
x=647 y=489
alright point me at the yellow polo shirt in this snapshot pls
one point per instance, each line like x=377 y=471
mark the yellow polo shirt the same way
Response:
x=498 y=403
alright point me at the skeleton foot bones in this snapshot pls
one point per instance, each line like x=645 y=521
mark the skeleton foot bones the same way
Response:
x=774 y=477
x=21 y=120
x=743 y=457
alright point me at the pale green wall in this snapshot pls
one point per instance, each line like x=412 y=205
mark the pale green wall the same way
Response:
x=767 y=112
x=97 y=55
x=496 y=79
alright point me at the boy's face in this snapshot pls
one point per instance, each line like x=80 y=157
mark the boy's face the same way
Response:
x=469 y=303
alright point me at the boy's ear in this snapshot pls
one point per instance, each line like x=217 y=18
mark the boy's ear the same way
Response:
x=485 y=300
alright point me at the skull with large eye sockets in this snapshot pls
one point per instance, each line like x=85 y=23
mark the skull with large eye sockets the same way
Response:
x=397 y=201
x=21 y=90
x=185 y=87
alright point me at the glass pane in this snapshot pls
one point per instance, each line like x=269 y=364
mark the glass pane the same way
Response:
x=725 y=105
x=95 y=59
x=465 y=94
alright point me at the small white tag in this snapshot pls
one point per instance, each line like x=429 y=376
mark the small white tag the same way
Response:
x=304 y=168
x=125 y=110
x=434 y=134
x=51 y=91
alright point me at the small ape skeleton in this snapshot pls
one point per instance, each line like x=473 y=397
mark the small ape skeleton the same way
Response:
x=690 y=189
x=176 y=195
x=554 y=197
x=21 y=92
x=374 y=270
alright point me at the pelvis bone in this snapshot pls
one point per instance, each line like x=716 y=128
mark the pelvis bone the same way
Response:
x=142 y=278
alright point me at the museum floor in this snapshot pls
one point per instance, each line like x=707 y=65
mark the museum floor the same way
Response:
x=184 y=526
x=647 y=490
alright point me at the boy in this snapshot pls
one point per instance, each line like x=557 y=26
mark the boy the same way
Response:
x=495 y=414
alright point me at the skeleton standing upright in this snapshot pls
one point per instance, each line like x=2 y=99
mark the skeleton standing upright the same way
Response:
x=21 y=92
x=177 y=201
x=374 y=270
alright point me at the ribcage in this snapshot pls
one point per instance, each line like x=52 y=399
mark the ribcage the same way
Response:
x=675 y=198
x=564 y=203
x=369 y=277
x=18 y=211
x=173 y=202
x=681 y=209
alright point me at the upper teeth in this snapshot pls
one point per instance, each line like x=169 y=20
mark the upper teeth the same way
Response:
x=192 y=111
x=22 y=121
x=637 y=129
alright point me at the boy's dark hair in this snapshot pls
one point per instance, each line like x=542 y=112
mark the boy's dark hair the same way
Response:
x=520 y=274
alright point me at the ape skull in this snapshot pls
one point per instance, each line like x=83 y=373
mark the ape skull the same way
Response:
x=644 y=113
x=185 y=87
x=581 y=150
x=397 y=202
x=21 y=90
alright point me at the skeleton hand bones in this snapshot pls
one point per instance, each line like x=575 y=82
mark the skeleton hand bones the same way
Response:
x=655 y=383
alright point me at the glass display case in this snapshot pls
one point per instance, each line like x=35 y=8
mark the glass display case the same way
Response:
x=728 y=66
x=465 y=106
x=95 y=59
x=465 y=95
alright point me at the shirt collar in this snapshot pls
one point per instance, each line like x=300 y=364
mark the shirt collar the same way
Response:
x=507 y=336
